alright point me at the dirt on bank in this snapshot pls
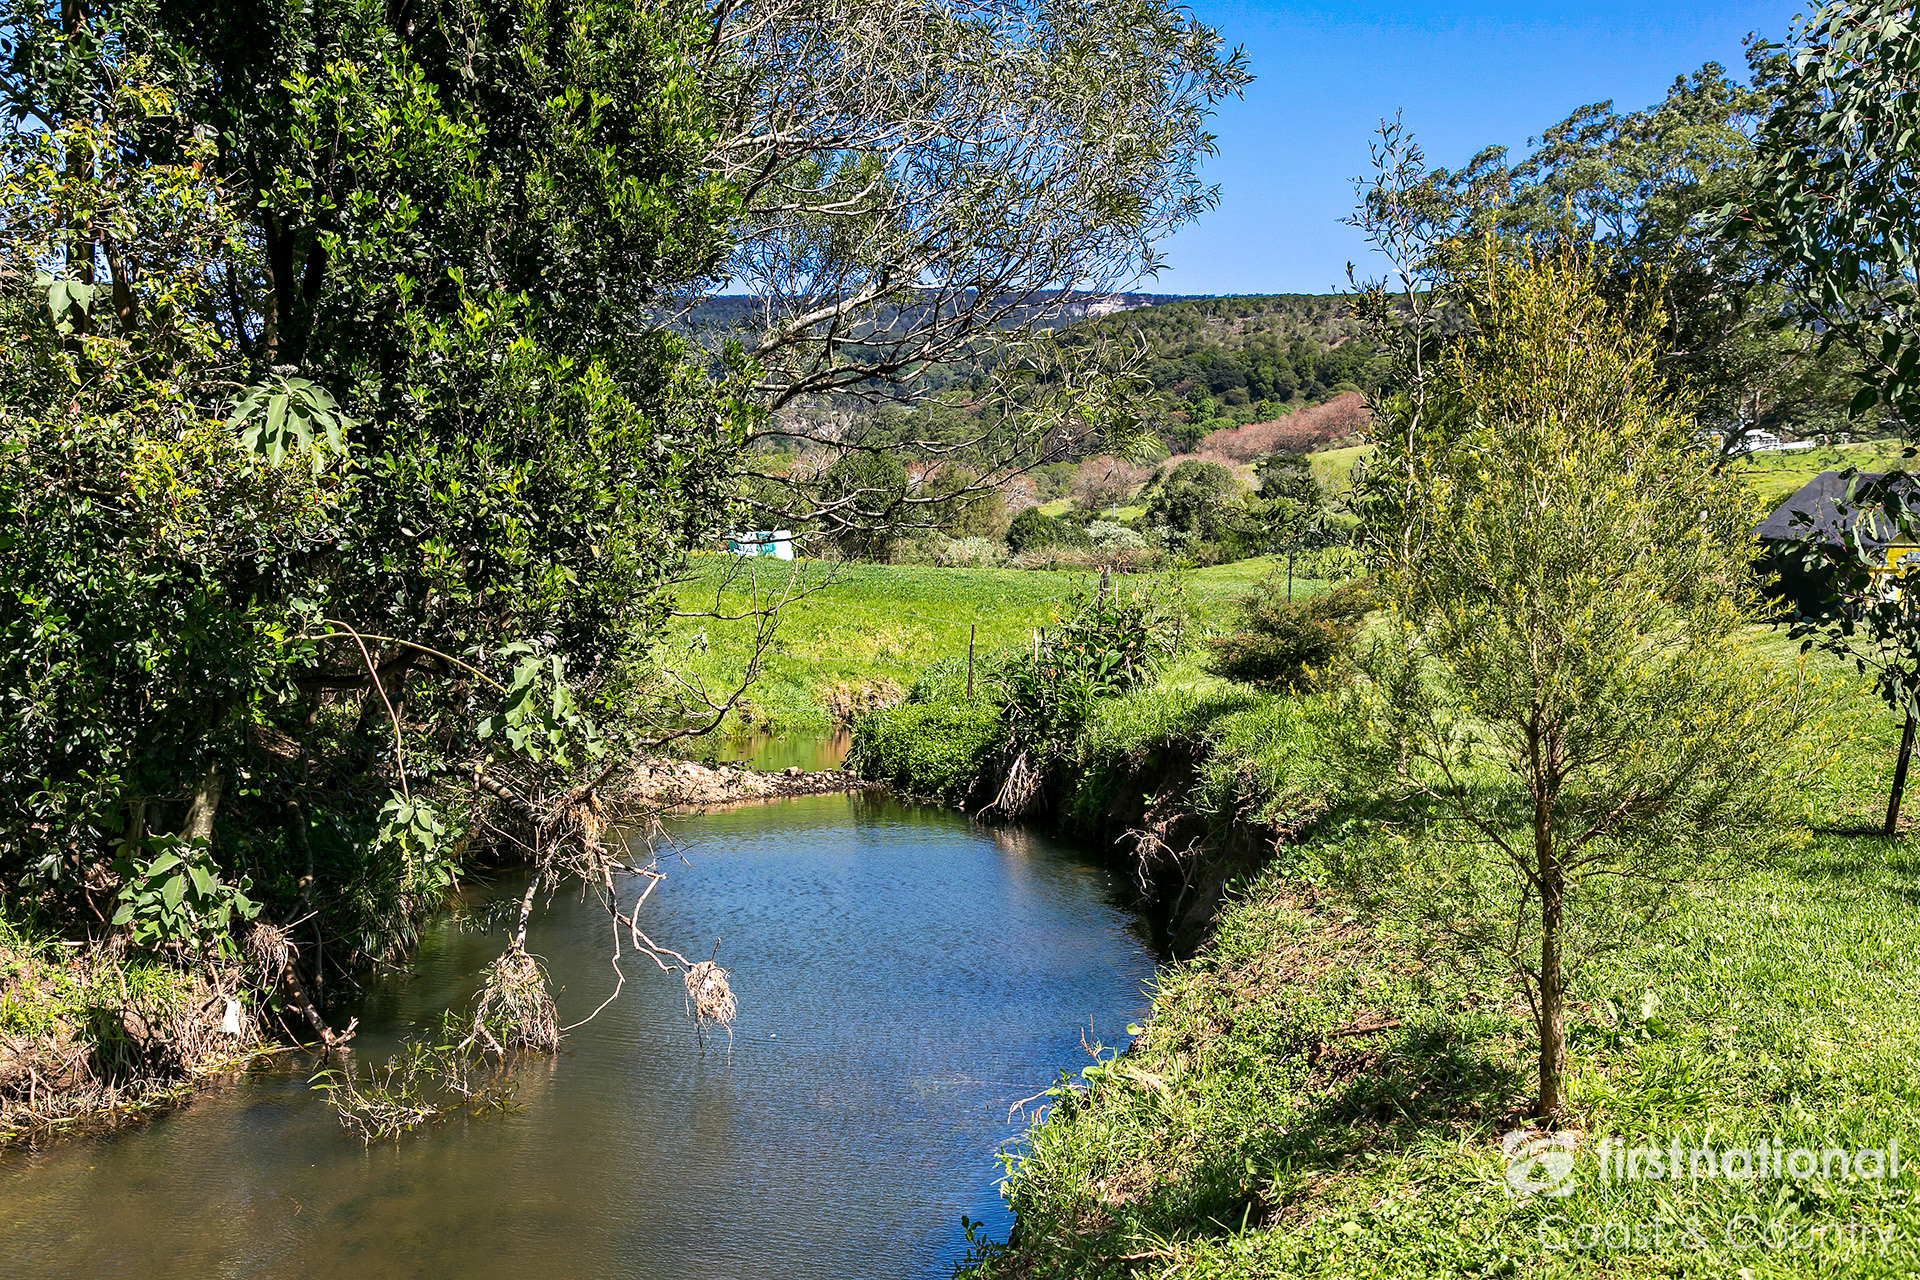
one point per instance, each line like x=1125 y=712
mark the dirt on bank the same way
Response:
x=686 y=785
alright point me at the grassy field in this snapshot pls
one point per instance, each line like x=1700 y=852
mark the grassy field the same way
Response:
x=1323 y=1090
x=851 y=626
x=1333 y=468
x=1774 y=477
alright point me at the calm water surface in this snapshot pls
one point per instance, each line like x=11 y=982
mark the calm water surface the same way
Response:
x=903 y=977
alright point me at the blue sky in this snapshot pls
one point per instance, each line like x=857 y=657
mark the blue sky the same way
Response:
x=1463 y=76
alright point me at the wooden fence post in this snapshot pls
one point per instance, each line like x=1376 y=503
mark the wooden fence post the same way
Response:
x=971 y=628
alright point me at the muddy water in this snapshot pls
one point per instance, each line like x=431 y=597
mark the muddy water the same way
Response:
x=903 y=977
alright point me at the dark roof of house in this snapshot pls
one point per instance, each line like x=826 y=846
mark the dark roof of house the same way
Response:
x=1820 y=502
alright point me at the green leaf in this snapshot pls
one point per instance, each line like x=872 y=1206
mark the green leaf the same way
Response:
x=165 y=862
x=171 y=892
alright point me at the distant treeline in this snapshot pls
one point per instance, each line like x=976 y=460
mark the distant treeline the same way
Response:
x=1227 y=362
x=1217 y=363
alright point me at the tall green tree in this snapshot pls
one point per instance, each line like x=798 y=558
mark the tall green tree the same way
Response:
x=1560 y=674
x=1646 y=190
x=1834 y=210
x=1836 y=201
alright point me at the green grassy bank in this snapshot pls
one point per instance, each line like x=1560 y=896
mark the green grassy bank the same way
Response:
x=856 y=627
x=1322 y=1089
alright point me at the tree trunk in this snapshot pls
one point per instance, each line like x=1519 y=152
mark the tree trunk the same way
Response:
x=1550 y=1012
x=1900 y=776
x=206 y=802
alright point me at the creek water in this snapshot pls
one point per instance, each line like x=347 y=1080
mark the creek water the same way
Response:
x=903 y=978
x=773 y=751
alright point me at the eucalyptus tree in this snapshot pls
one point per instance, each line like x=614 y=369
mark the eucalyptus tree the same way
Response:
x=1835 y=204
x=928 y=181
x=1647 y=190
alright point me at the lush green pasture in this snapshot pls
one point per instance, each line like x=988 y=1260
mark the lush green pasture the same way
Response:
x=848 y=626
x=1774 y=477
x=1333 y=468
x=1323 y=1090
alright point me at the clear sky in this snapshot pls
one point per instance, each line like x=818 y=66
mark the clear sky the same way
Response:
x=1462 y=75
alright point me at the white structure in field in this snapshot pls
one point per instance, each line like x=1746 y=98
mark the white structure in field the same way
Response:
x=777 y=543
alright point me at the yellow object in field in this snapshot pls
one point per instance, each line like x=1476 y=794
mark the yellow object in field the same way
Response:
x=1898 y=559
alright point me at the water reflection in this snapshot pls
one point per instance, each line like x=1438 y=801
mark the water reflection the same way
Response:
x=903 y=977
x=814 y=753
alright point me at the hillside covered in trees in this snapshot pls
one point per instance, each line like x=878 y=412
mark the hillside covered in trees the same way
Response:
x=1205 y=364
x=1226 y=362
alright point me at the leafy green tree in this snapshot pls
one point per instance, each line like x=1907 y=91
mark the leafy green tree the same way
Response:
x=1835 y=201
x=1560 y=672
x=971 y=512
x=860 y=503
x=1033 y=529
x=1646 y=190
x=1195 y=501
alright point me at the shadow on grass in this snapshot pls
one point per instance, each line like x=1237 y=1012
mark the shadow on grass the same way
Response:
x=1425 y=1082
x=1376 y=1095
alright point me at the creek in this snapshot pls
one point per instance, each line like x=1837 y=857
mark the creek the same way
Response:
x=904 y=977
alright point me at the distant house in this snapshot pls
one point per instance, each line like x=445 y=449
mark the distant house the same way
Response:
x=1818 y=512
x=1767 y=442
x=777 y=543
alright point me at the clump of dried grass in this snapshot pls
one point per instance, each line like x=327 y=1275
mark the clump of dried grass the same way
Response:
x=270 y=950
x=709 y=998
x=1020 y=789
x=515 y=1011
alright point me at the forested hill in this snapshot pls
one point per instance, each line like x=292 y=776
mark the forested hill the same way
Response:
x=1219 y=363
x=734 y=313
x=1231 y=361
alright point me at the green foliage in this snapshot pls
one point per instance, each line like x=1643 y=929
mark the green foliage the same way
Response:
x=861 y=501
x=1194 y=501
x=419 y=833
x=1219 y=363
x=429 y=1079
x=281 y=416
x=540 y=717
x=434 y=249
x=1290 y=644
x=1107 y=641
x=933 y=749
x=1565 y=572
x=1033 y=529
x=1644 y=192
x=179 y=901
x=1834 y=199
